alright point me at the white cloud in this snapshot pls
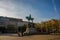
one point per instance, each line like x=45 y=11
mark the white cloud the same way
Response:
x=10 y=9
x=6 y=8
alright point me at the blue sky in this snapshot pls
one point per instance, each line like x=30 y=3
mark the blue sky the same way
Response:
x=41 y=10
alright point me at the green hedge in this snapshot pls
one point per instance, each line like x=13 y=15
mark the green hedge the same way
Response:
x=2 y=29
x=22 y=28
x=11 y=28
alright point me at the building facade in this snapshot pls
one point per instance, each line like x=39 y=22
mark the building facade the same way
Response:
x=4 y=21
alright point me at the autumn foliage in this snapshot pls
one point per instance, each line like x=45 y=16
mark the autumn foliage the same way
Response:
x=48 y=26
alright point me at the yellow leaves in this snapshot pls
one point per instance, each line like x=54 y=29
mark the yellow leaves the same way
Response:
x=51 y=24
x=37 y=25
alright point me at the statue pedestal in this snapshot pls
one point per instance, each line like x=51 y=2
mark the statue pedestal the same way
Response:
x=32 y=30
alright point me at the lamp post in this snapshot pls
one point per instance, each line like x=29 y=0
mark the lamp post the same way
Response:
x=29 y=18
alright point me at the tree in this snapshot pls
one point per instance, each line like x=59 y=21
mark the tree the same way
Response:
x=2 y=29
x=55 y=25
x=38 y=26
x=11 y=28
x=22 y=29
